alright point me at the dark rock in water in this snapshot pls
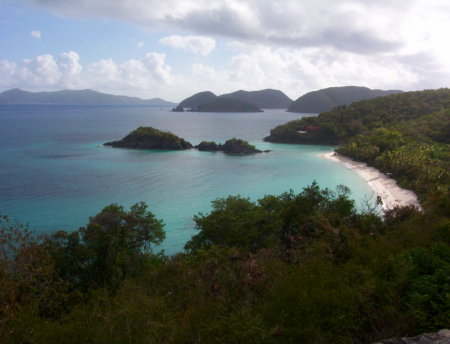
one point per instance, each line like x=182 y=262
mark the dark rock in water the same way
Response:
x=238 y=146
x=179 y=108
x=232 y=146
x=441 y=337
x=208 y=146
x=151 y=138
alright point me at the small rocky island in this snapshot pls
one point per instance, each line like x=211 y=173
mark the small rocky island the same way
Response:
x=151 y=138
x=232 y=146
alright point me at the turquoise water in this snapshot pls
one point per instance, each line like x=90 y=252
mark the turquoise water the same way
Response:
x=55 y=173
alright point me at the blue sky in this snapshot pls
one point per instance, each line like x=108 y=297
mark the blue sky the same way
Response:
x=172 y=49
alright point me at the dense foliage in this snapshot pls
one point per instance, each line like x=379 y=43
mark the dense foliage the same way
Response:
x=231 y=146
x=344 y=122
x=293 y=268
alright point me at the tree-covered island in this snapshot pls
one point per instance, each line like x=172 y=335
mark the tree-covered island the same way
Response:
x=151 y=138
x=231 y=146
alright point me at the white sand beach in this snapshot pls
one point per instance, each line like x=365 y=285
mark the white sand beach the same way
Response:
x=391 y=194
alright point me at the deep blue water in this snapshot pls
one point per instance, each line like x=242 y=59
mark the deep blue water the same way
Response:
x=55 y=173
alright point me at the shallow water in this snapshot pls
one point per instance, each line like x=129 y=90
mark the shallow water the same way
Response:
x=55 y=172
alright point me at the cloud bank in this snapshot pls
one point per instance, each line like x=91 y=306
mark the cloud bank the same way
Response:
x=251 y=67
x=296 y=46
x=149 y=74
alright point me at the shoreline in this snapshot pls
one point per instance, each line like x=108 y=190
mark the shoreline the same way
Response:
x=383 y=186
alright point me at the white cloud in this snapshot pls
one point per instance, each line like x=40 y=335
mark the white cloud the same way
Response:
x=36 y=34
x=140 y=44
x=252 y=67
x=149 y=74
x=195 y=44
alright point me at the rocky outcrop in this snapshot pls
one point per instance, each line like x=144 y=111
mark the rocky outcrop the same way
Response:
x=232 y=146
x=208 y=146
x=441 y=337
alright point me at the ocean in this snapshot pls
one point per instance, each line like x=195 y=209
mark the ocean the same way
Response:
x=55 y=172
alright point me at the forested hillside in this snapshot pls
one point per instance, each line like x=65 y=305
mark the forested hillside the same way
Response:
x=328 y=98
x=406 y=135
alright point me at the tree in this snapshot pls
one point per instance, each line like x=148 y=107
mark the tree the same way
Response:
x=119 y=242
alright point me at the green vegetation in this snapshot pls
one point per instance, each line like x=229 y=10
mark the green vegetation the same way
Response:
x=293 y=268
x=209 y=146
x=231 y=146
x=151 y=138
x=344 y=122
x=406 y=135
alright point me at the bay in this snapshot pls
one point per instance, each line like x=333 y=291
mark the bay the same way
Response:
x=55 y=172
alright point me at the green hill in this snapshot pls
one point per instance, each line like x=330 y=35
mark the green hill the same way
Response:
x=328 y=98
x=227 y=105
x=264 y=99
x=197 y=99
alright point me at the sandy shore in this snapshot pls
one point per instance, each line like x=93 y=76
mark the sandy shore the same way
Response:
x=391 y=194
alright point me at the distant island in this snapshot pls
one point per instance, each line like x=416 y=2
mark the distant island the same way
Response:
x=239 y=101
x=227 y=105
x=151 y=138
x=79 y=97
x=328 y=98
x=232 y=146
x=197 y=99
x=264 y=99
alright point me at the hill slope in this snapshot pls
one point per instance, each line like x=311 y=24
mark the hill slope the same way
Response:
x=265 y=99
x=197 y=99
x=227 y=105
x=85 y=97
x=327 y=98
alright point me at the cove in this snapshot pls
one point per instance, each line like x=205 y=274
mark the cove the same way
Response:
x=55 y=172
